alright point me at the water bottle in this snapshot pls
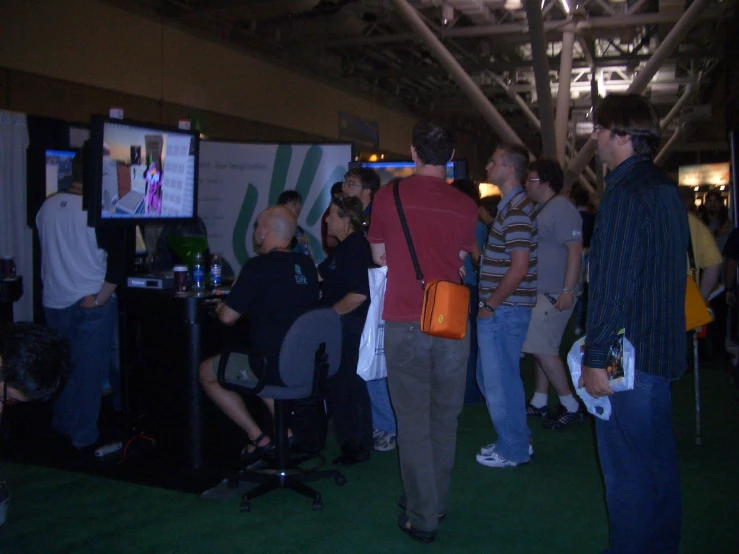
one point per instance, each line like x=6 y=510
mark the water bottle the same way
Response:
x=216 y=271
x=198 y=272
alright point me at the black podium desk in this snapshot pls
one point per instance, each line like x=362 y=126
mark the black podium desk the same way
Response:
x=164 y=338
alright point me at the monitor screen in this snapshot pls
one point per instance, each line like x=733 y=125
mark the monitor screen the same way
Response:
x=143 y=173
x=48 y=171
x=58 y=176
x=390 y=170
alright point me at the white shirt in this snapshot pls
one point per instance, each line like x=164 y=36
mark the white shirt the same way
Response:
x=72 y=265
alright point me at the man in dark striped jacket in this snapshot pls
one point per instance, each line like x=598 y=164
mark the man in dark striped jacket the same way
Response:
x=638 y=266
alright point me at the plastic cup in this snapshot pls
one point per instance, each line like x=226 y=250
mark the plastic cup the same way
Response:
x=180 y=278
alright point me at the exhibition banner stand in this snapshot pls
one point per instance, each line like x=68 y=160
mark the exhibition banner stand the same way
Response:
x=237 y=181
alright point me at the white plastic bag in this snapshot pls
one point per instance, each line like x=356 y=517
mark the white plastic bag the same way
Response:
x=622 y=353
x=371 y=363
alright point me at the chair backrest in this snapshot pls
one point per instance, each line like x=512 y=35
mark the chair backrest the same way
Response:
x=302 y=341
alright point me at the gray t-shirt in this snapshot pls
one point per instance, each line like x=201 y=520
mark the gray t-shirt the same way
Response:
x=559 y=224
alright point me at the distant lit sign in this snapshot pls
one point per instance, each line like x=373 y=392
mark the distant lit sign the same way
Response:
x=706 y=174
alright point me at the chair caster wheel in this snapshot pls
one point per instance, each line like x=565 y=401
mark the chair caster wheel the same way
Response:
x=245 y=506
x=340 y=480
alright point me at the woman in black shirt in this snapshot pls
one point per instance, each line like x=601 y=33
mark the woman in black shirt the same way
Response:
x=346 y=290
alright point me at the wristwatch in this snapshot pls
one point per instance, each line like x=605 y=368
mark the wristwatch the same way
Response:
x=486 y=306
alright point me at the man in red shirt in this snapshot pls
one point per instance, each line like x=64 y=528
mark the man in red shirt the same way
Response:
x=426 y=375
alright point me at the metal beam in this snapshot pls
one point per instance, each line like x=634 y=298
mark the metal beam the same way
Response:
x=468 y=86
x=592 y=23
x=679 y=105
x=640 y=82
x=563 y=94
x=660 y=157
x=541 y=77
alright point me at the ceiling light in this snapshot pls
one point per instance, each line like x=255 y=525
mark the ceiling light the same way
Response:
x=447 y=14
x=513 y=5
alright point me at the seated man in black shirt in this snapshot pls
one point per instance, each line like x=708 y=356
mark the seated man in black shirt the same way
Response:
x=272 y=290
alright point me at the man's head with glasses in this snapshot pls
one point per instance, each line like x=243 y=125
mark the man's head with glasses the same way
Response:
x=362 y=183
x=34 y=360
x=626 y=125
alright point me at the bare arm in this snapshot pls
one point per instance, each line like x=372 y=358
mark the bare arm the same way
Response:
x=106 y=291
x=378 y=253
x=709 y=278
x=349 y=303
x=572 y=273
x=228 y=316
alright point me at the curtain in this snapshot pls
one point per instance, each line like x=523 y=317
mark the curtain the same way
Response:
x=15 y=236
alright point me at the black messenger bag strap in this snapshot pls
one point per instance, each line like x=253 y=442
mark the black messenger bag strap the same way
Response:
x=407 y=233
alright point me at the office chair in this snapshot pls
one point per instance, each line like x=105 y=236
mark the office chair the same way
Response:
x=309 y=355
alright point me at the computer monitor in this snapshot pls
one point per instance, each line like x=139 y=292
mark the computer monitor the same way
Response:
x=48 y=171
x=140 y=173
x=391 y=170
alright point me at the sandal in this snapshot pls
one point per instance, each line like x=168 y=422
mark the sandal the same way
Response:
x=421 y=536
x=249 y=459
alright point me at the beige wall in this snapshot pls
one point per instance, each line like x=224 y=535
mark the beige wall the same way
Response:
x=91 y=43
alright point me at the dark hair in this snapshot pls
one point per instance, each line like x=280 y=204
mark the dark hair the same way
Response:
x=336 y=188
x=289 y=196
x=632 y=115
x=490 y=204
x=78 y=167
x=35 y=359
x=352 y=208
x=467 y=187
x=433 y=143
x=367 y=177
x=517 y=157
x=549 y=172
x=580 y=196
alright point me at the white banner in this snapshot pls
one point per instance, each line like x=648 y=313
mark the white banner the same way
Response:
x=238 y=181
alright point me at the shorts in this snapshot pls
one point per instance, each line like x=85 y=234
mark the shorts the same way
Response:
x=546 y=328
x=245 y=369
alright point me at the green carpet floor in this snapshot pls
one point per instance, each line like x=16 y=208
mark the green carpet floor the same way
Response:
x=554 y=504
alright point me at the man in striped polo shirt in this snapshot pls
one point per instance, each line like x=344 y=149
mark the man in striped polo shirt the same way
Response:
x=507 y=296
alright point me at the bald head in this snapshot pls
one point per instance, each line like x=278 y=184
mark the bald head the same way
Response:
x=275 y=228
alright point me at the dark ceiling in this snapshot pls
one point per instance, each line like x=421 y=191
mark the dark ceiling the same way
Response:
x=368 y=47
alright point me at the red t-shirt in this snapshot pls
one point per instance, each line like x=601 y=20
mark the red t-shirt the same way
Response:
x=441 y=221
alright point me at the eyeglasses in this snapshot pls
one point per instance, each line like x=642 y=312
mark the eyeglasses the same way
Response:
x=350 y=184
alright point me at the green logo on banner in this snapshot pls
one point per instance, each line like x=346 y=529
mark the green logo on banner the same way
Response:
x=278 y=183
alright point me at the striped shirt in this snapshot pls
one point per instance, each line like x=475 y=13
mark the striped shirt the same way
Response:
x=514 y=228
x=637 y=270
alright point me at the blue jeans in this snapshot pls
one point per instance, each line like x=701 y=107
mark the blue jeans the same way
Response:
x=90 y=336
x=383 y=416
x=639 y=462
x=500 y=339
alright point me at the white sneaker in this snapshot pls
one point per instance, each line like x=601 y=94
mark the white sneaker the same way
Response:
x=384 y=442
x=495 y=460
x=490 y=448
